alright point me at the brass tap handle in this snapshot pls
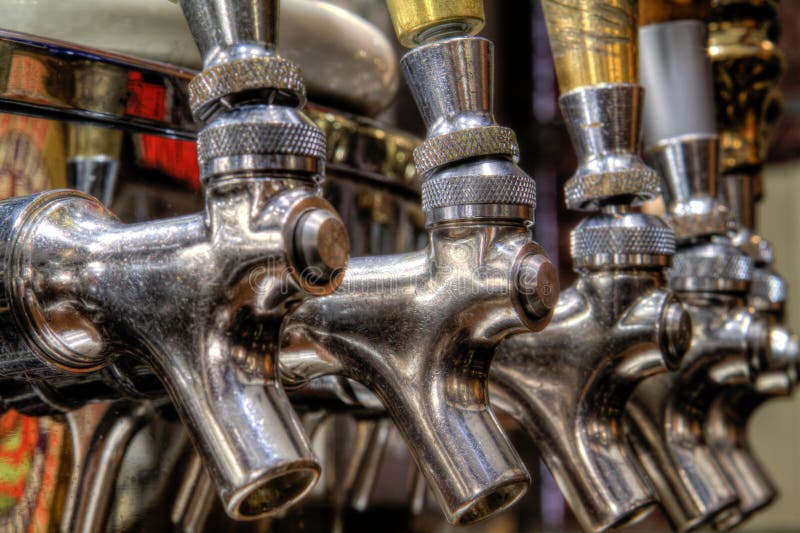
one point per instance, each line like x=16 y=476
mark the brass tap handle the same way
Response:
x=658 y=11
x=417 y=21
x=593 y=41
x=747 y=66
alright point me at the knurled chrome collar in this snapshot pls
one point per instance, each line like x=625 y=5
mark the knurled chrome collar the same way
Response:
x=241 y=76
x=754 y=245
x=711 y=267
x=622 y=240
x=589 y=191
x=496 y=189
x=698 y=217
x=460 y=145
x=768 y=289
x=258 y=138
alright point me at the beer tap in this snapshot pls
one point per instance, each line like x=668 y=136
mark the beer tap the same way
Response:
x=420 y=329
x=199 y=299
x=747 y=65
x=618 y=324
x=730 y=344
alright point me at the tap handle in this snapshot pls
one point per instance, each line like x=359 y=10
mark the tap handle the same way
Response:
x=747 y=65
x=419 y=21
x=675 y=71
x=660 y=11
x=226 y=30
x=593 y=41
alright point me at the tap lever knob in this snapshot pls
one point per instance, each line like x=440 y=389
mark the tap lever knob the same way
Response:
x=420 y=21
x=593 y=41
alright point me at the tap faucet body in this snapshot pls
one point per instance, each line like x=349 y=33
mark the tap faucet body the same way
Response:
x=730 y=343
x=419 y=329
x=199 y=299
x=568 y=385
x=747 y=66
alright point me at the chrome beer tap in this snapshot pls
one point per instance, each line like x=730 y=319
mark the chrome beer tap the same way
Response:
x=199 y=299
x=747 y=65
x=568 y=385
x=420 y=329
x=730 y=344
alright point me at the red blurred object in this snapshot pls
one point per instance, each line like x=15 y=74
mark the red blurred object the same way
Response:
x=174 y=157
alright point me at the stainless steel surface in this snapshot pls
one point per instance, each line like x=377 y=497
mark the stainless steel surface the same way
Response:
x=412 y=358
x=568 y=385
x=215 y=284
x=440 y=311
x=689 y=166
x=667 y=413
x=467 y=162
x=730 y=344
x=452 y=82
x=622 y=239
x=227 y=31
x=604 y=123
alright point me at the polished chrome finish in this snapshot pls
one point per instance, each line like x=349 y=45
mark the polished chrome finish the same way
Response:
x=689 y=166
x=604 y=123
x=346 y=60
x=768 y=292
x=667 y=413
x=195 y=498
x=257 y=138
x=137 y=95
x=229 y=30
x=714 y=266
x=451 y=81
x=680 y=125
x=622 y=239
x=93 y=159
x=675 y=420
x=199 y=299
x=738 y=191
x=568 y=385
x=243 y=79
x=459 y=297
x=199 y=361
x=441 y=311
x=366 y=465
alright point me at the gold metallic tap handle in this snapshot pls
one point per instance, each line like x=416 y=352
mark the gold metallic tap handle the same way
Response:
x=417 y=20
x=658 y=11
x=593 y=41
